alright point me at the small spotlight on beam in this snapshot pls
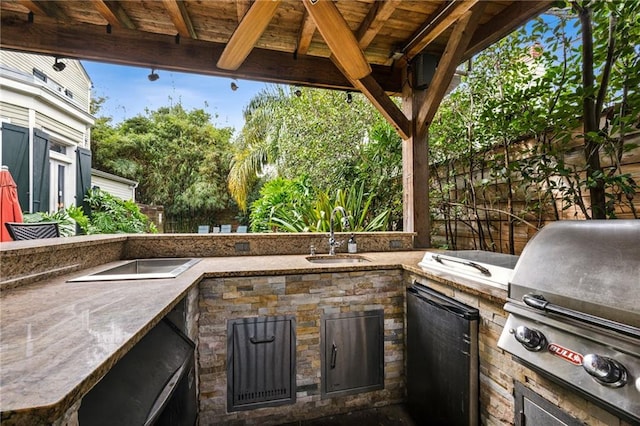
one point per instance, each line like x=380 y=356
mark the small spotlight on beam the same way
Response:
x=153 y=76
x=58 y=66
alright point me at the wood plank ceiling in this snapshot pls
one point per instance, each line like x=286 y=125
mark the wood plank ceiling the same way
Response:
x=286 y=41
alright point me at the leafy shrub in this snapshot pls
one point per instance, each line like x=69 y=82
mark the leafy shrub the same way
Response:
x=293 y=206
x=109 y=215
x=66 y=223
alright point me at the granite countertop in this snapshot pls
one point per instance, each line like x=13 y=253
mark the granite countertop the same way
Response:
x=59 y=338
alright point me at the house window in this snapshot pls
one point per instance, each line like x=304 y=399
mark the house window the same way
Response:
x=39 y=75
x=56 y=147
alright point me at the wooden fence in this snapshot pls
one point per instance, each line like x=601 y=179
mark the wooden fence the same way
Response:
x=470 y=205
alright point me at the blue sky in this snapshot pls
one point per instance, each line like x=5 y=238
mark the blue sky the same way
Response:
x=129 y=92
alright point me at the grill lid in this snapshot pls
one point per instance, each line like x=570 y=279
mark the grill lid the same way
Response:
x=590 y=266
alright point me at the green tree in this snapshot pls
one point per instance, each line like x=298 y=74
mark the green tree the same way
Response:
x=317 y=134
x=179 y=158
x=610 y=64
x=530 y=85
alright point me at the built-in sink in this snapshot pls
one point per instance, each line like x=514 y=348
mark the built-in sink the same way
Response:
x=338 y=258
x=142 y=269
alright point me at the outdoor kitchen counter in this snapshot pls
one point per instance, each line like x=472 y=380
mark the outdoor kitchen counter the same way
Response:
x=59 y=338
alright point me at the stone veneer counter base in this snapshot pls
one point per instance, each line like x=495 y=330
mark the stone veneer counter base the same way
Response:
x=59 y=338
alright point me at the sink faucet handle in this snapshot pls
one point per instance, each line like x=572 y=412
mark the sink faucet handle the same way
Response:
x=312 y=249
x=345 y=222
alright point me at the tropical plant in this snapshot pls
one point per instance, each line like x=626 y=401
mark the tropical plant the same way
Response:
x=293 y=206
x=66 y=222
x=314 y=133
x=111 y=215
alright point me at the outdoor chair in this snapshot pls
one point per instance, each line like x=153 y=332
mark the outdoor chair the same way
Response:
x=32 y=231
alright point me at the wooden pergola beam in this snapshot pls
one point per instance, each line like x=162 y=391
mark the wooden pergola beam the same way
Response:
x=338 y=36
x=378 y=14
x=383 y=103
x=114 y=14
x=50 y=37
x=307 y=29
x=389 y=110
x=44 y=8
x=180 y=18
x=442 y=20
x=453 y=53
x=242 y=7
x=246 y=35
x=350 y=60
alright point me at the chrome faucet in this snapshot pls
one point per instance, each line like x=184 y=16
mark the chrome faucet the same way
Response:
x=332 y=240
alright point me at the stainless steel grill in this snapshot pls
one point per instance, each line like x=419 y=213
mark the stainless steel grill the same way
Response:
x=574 y=310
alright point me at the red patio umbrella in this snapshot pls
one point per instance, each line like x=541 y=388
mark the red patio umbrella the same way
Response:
x=9 y=205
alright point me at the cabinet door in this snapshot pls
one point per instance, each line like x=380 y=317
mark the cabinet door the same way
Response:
x=353 y=353
x=532 y=410
x=261 y=357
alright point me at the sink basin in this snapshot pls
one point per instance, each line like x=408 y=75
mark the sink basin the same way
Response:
x=142 y=269
x=338 y=258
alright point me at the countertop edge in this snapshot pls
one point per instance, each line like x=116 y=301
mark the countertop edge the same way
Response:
x=201 y=271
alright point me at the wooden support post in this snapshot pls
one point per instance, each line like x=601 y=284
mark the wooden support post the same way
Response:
x=415 y=170
x=421 y=106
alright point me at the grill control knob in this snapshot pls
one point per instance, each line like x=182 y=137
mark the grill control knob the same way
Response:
x=532 y=340
x=605 y=371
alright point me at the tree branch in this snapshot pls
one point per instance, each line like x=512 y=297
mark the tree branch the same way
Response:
x=519 y=219
x=608 y=65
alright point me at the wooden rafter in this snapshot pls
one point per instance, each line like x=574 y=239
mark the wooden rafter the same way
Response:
x=307 y=29
x=180 y=17
x=247 y=33
x=51 y=37
x=389 y=110
x=377 y=96
x=350 y=60
x=443 y=19
x=242 y=7
x=114 y=14
x=44 y=8
x=379 y=13
x=453 y=53
x=339 y=37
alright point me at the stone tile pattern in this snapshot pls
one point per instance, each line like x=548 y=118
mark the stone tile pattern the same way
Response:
x=234 y=244
x=498 y=371
x=308 y=297
x=35 y=263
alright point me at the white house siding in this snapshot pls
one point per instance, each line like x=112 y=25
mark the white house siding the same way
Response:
x=73 y=77
x=58 y=106
x=124 y=189
x=14 y=114
x=60 y=130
